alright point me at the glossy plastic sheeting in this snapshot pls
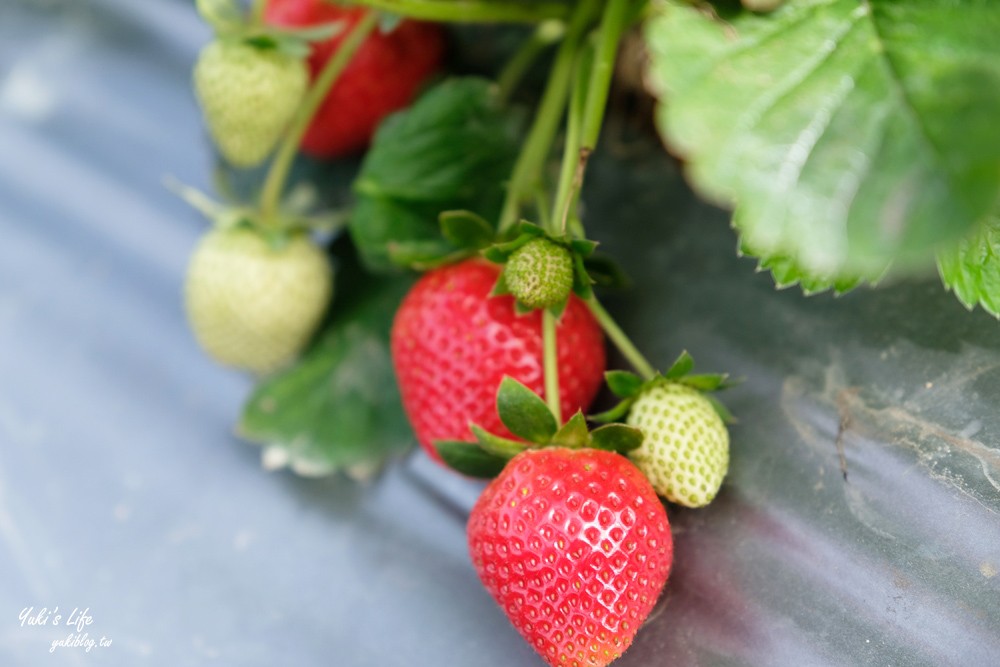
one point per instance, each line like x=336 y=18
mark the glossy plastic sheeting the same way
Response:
x=122 y=491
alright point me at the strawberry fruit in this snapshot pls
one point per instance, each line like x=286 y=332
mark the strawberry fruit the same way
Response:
x=685 y=451
x=384 y=75
x=254 y=306
x=452 y=344
x=575 y=547
x=248 y=95
x=539 y=274
x=685 y=445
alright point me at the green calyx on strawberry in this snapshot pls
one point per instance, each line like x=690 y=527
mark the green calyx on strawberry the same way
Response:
x=527 y=416
x=255 y=292
x=685 y=448
x=540 y=270
x=250 y=80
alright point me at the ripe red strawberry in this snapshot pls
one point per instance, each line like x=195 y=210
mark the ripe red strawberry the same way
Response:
x=452 y=344
x=384 y=75
x=575 y=547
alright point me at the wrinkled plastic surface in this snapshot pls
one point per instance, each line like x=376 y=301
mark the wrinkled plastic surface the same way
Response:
x=122 y=491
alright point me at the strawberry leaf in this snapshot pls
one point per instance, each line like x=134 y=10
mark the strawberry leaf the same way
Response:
x=500 y=252
x=847 y=134
x=616 y=438
x=466 y=229
x=423 y=255
x=530 y=229
x=573 y=433
x=560 y=308
x=623 y=384
x=495 y=444
x=614 y=414
x=681 y=367
x=721 y=409
x=522 y=309
x=584 y=247
x=972 y=268
x=705 y=382
x=500 y=286
x=469 y=459
x=581 y=279
x=605 y=272
x=453 y=149
x=524 y=412
x=787 y=273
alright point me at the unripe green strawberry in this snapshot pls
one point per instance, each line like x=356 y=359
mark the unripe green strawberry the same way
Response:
x=685 y=451
x=248 y=95
x=252 y=306
x=540 y=273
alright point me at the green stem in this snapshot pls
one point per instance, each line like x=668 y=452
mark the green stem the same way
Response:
x=550 y=358
x=580 y=145
x=543 y=130
x=616 y=15
x=471 y=11
x=621 y=340
x=547 y=32
x=571 y=149
x=278 y=173
x=542 y=206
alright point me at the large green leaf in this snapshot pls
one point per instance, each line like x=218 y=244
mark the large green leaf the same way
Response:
x=972 y=269
x=338 y=407
x=453 y=149
x=847 y=133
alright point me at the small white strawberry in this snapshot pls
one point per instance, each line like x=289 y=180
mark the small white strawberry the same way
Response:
x=248 y=95
x=685 y=451
x=685 y=445
x=253 y=305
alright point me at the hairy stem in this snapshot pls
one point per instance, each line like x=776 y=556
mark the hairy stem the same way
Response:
x=278 y=173
x=621 y=340
x=536 y=148
x=550 y=358
x=471 y=11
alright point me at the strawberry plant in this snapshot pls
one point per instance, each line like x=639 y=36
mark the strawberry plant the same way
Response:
x=853 y=141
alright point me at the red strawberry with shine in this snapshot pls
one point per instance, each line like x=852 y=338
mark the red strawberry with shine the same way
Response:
x=384 y=75
x=452 y=344
x=575 y=547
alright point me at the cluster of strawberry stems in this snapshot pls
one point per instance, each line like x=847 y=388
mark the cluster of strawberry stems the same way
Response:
x=577 y=89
